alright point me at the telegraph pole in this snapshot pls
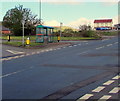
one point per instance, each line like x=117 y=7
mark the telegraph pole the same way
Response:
x=61 y=28
x=40 y=11
x=23 y=23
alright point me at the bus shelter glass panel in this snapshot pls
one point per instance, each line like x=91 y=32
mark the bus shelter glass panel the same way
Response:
x=39 y=35
x=50 y=35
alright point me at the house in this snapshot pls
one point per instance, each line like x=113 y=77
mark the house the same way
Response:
x=103 y=24
x=4 y=30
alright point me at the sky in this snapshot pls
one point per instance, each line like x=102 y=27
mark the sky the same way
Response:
x=70 y=12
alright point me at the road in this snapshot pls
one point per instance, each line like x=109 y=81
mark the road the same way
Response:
x=85 y=70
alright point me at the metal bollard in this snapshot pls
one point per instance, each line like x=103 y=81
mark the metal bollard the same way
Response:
x=28 y=41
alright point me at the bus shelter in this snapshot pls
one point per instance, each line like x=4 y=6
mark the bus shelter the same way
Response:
x=44 y=34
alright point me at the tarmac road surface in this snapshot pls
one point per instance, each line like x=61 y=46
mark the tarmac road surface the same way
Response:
x=85 y=70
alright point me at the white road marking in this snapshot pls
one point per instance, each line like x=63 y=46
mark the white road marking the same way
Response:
x=50 y=49
x=109 y=45
x=9 y=74
x=100 y=47
x=116 y=77
x=85 y=97
x=105 y=97
x=115 y=90
x=58 y=48
x=22 y=55
x=42 y=51
x=14 y=52
x=108 y=82
x=70 y=46
x=38 y=52
x=79 y=44
x=74 y=45
x=116 y=43
x=33 y=53
x=83 y=52
x=86 y=43
x=46 y=50
x=26 y=55
x=98 y=89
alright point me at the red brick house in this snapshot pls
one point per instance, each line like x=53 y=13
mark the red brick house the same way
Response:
x=4 y=30
x=103 y=24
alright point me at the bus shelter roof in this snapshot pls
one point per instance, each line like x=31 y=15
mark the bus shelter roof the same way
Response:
x=42 y=26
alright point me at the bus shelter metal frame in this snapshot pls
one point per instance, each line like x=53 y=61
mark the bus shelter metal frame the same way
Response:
x=44 y=34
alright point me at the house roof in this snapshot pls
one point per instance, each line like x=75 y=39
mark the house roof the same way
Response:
x=103 y=21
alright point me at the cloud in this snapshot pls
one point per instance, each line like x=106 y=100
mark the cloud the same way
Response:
x=81 y=21
x=52 y=23
x=85 y=21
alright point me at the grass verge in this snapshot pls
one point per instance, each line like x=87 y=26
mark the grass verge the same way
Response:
x=19 y=44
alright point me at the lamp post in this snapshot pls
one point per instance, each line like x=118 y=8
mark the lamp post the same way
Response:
x=23 y=23
x=61 y=28
x=40 y=12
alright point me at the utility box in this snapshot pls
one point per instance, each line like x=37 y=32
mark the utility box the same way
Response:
x=44 y=34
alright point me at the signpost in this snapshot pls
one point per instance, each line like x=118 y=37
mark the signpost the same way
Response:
x=23 y=23
x=61 y=28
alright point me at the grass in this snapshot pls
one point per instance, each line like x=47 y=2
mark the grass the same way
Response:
x=76 y=38
x=19 y=38
x=109 y=33
x=19 y=44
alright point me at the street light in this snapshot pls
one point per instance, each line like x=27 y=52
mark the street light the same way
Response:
x=61 y=28
x=23 y=23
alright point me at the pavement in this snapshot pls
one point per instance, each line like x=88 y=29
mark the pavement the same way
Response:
x=86 y=70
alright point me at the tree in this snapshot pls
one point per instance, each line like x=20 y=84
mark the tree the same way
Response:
x=14 y=16
x=68 y=32
x=84 y=27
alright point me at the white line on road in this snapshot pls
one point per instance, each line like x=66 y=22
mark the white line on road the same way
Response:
x=74 y=45
x=109 y=44
x=42 y=51
x=116 y=43
x=115 y=90
x=105 y=97
x=14 y=52
x=85 y=97
x=108 y=82
x=82 y=53
x=70 y=46
x=46 y=50
x=50 y=49
x=85 y=41
x=116 y=77
x=58 y=48
x=100 y=47
x=98 y=89
x=6 y=75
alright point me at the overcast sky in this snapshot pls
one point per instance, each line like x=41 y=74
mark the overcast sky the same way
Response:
x=69 y=12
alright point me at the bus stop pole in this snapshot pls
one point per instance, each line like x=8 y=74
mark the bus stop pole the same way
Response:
x=61 y=28
x=23 y=22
